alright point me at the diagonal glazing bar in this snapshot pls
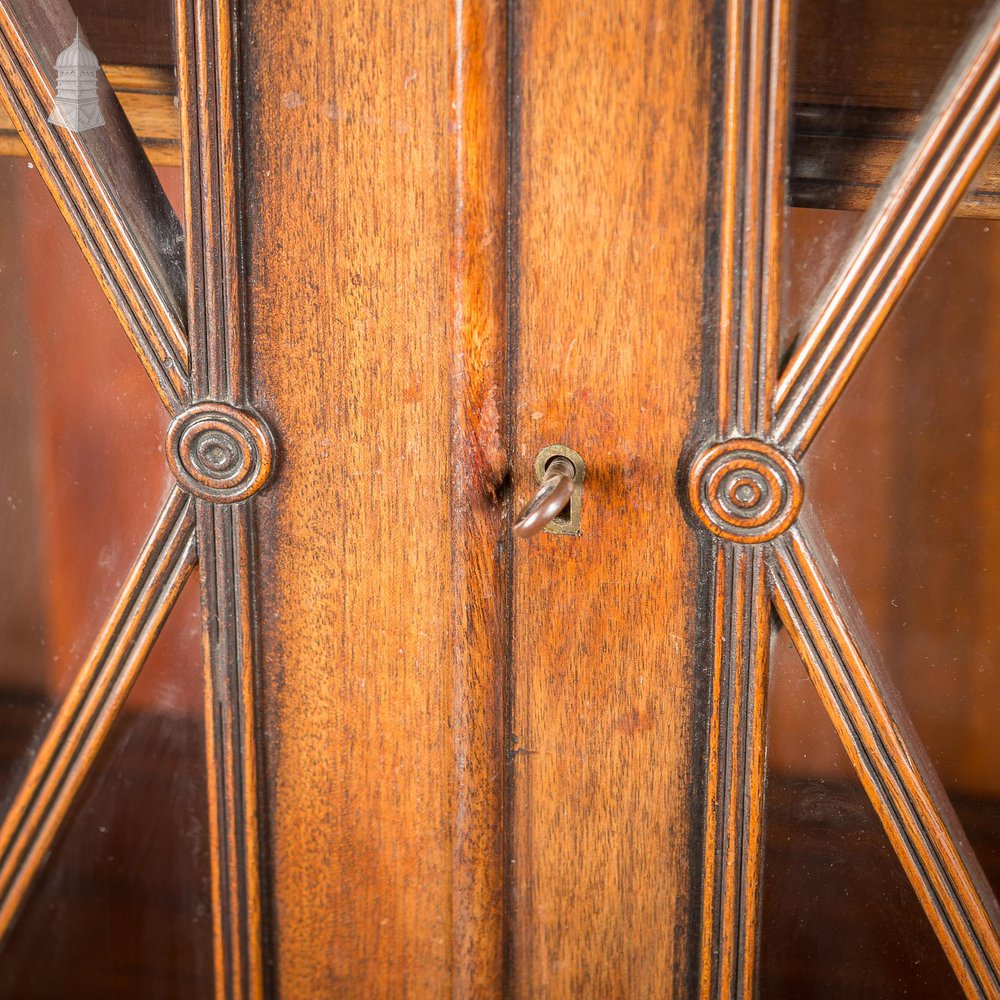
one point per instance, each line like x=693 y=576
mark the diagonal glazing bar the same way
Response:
x=99 y=690
x=959 y=128
x=889 y=758
x=106 y=190
x=754 y=151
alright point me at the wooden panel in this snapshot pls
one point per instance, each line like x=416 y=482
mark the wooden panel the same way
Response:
x=480 y=602
x=375 y=244
x=613 y=110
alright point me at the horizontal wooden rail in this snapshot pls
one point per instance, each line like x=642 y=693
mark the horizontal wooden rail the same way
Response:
x=841 y=157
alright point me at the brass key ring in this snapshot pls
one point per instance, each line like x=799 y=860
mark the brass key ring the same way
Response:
x=550 y=499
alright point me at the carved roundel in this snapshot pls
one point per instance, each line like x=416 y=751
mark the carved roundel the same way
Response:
x=219 y=452
x=745 y=490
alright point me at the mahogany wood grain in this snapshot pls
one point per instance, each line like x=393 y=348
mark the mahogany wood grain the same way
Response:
x=70 y=745
x=208 y=47
x=754 y=154
x=358 y=307
x=919 y=197
x=106 y=190
x=876 y=732
x=611 y=114
x=477 y=327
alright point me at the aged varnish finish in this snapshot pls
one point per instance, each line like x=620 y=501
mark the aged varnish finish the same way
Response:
x=376 y=262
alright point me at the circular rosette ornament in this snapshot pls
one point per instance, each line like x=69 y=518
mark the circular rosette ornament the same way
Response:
x=219 y=452
x=745 y=490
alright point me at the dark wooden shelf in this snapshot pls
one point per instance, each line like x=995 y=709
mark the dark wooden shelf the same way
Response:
x=842 y=155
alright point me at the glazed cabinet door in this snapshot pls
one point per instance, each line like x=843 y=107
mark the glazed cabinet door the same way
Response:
x=302 y=694
x=129 y=845
x=851 y=807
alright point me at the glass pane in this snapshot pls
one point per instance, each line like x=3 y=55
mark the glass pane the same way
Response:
x=838 y=917
x=864 y=74
x=904 y=478
x=121 y=908
x=84 y=474
x=134 y=42
x=136 y=32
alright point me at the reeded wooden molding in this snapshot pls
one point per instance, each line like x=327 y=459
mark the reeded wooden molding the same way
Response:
x=99 y=691
x=106 y=190
x=872 y=723
x=206 y=87
x=208 y=47
x=746 y=489
x=147 y=95
x=737 y=726
x=754 y=152
x=918 y=198
x=225 y=536
x=479 y=587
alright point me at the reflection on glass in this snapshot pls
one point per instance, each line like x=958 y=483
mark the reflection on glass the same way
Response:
x=905 y=479
x=839 y=918
x=865 y=73
x=121 y=908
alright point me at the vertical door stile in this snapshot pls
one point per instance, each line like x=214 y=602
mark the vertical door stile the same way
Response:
x=208 y=51
x=754 y=139
x=612 y=108
x=480 y=591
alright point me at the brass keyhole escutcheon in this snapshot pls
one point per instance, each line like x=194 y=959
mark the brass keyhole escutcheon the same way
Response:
x=555 y=507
